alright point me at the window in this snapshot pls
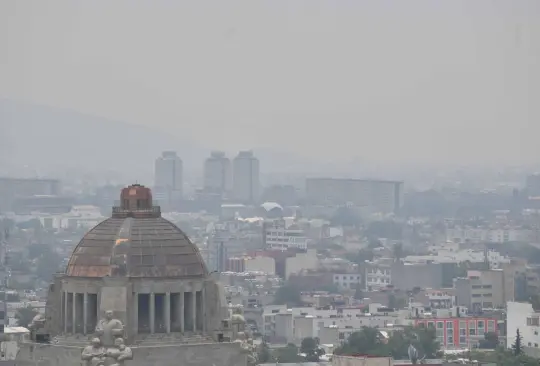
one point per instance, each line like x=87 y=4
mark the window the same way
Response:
x=440 y=325
x=449 y=324
x=491 y=325
x=480 y=324
x=430 y=325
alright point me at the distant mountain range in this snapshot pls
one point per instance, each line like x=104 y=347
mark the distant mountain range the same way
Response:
x=50 y=140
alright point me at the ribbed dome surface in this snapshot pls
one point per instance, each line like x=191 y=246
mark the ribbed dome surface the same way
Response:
x=136 y=247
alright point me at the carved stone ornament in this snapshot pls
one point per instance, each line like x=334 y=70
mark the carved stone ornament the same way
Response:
x=109 y=329
x=96 y=354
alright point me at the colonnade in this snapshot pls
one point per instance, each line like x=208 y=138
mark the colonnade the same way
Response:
x=168 y=312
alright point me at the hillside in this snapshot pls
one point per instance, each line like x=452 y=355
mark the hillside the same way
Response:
x=49 y=138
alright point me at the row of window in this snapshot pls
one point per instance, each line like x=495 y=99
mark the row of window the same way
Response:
x=463 y=324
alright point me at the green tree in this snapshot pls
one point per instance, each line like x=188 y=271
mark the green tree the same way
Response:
x=264 y=354
x=24 y=316
x=374 y=243
x=310 y=346
x=490 y=341
x=288 y=354
x=366 y=341
x=516 y=347
x=288 y=295
x=362 y=256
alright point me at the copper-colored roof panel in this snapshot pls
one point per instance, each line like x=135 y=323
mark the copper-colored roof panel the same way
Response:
x=136 y=247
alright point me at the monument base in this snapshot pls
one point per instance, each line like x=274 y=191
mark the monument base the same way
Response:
x=202 y=354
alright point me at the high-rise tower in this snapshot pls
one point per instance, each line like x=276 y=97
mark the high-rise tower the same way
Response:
x=168 y=176
x=246 y=184
x=217 y=173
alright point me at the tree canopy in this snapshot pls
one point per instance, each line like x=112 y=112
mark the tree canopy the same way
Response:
x=370 y=341
x=24 y=316
x=288 y=294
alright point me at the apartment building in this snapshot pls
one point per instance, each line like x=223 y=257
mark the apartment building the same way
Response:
x=488 y=235
x=523 y=317
x=403 y=276
x=292 y=325
x=486 y=289
x=347 y=281
x=459 y=332
x=277 y=235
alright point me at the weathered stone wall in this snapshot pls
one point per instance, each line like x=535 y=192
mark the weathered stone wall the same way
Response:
x=213 y=354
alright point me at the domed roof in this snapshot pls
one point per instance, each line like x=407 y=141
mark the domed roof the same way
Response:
x=136 y=242
x=269 y=206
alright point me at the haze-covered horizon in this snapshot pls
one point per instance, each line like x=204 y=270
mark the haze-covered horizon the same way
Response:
x=386 y=82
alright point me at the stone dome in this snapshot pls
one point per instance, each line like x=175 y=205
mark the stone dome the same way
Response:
x=136 y=242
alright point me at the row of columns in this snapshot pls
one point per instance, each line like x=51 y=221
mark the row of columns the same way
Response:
x=77 y=320
x=186 y=304
x=191 y=304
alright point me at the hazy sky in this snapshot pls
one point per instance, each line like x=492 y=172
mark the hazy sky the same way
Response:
x=407 y=81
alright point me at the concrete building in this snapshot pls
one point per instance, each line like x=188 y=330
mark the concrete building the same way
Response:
x=169 y=180
x=377 y=195
x=261 y=264
x=12 y=189
x=301 y=262
x=347 y=280
x=246 y=183
x=459 y=332
x=488 y=235
x=136 y=276
x=402 y=276
x=486 y=289
x=278 y=236
x=217 y=173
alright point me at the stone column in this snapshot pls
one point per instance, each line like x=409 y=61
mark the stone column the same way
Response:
x=152 y=311
x=181 y=310
x=194 y=309
x=168 y=312
x=85 y=312
x=135 y=313
x=74 y=314
x=65 y=312
x=203 y=308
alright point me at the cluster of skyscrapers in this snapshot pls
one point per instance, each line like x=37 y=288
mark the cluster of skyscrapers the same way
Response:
x=238 y=180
